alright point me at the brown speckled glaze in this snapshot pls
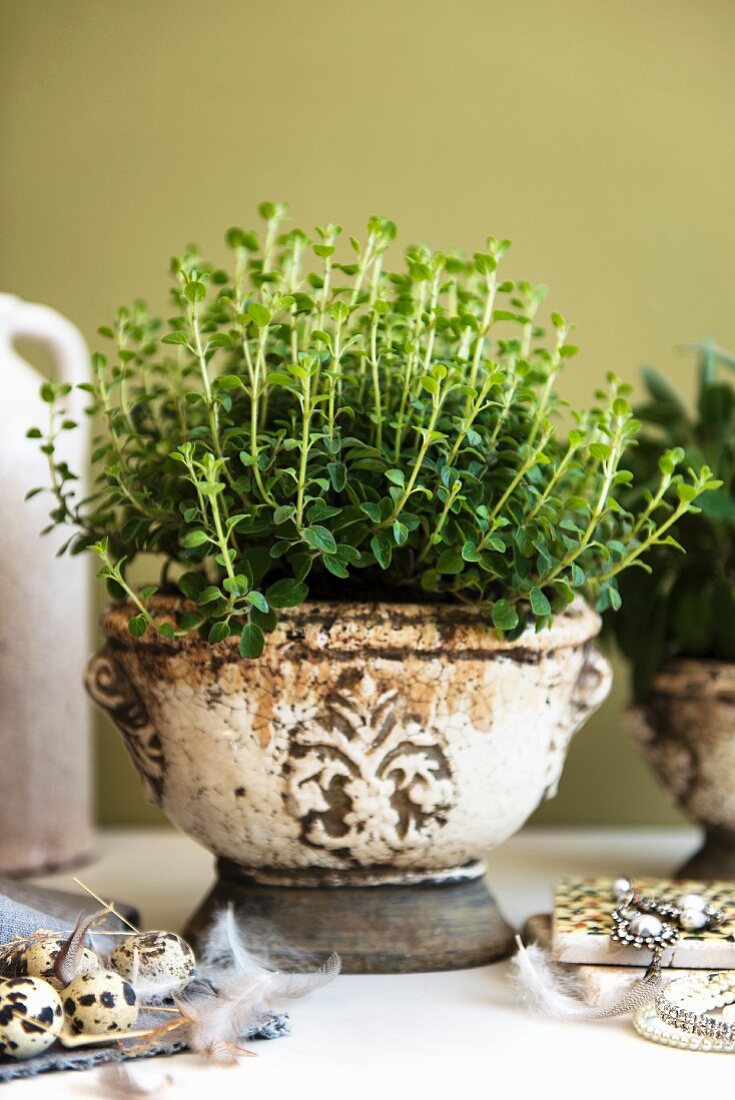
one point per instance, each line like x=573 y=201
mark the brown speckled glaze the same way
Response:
x=686 y=731
x=371 y=741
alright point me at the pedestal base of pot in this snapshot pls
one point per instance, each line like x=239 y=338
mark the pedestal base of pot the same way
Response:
x=714 y=860
x=385 y=928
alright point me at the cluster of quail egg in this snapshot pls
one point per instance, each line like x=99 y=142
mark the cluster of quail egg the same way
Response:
x=101 y=1001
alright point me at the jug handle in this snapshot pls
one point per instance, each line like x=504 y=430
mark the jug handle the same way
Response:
x=61 y=339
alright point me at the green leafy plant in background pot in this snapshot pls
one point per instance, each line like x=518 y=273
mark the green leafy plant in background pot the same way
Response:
x=370 y=466
x=677 y=622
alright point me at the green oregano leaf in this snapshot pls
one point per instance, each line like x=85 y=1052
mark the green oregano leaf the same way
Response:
x=320 y=538
x=137 y=626
x=195 y=538
x=252 y=641
x=218 y=632
x=257 y=599
x=286 y=593
x=382 y=549
x=539 y=603
x=450 y=561
x=505 y=617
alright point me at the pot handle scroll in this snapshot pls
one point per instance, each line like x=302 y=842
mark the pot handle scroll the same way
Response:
x=590 y=692
x=110 y=688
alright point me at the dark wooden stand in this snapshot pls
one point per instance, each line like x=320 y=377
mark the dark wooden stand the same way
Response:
x=382 y=929
x=714 y=860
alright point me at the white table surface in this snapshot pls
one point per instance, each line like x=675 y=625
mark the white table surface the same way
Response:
x=424 y=1035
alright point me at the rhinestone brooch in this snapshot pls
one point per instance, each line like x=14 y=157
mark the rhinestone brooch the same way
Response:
x=656 y=923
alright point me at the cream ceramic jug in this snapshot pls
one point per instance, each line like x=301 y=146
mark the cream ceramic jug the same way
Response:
x=45 y=791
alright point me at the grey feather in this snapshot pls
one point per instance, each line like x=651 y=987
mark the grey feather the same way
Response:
x=66 y=965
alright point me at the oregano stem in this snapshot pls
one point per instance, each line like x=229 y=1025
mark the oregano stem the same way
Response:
x=426 y=443
x=653 y=539
x=486 y=321
x=305 y=438
x=526 y=465
x=377 y=399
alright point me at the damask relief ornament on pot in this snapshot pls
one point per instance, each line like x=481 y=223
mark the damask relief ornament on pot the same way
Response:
x=685 y=728
x=383 y=747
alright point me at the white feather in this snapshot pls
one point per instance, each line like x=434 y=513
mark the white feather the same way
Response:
x=547 y=990
x=245 y=990
x=542 y=988
x=119 y=1080
x=155 y=990
x=225 y=949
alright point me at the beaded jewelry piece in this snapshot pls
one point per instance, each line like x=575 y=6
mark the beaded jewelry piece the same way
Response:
x=656 y=923
x=678 y=1017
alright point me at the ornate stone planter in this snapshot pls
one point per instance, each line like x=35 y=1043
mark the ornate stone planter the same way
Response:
x=350 y=780
x=686 y=731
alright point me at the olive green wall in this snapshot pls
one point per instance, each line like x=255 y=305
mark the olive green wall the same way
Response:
x=600 y=137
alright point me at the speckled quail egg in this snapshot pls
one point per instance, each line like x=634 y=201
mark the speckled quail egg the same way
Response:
x=100 y=1003
x=165 y=962
x=38 y=958
x=31 y=1016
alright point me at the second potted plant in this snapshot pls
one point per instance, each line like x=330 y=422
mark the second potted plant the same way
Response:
x=372 y=637
x=677 y=623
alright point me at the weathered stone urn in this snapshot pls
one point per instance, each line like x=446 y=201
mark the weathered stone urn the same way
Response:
x=686 y=731
x=350 y=780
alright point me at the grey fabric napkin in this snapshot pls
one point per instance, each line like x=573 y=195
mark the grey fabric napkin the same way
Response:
x=274 y=1026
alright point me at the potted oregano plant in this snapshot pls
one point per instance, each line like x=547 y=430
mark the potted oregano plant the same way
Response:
x=677 y=622
x=370 y=642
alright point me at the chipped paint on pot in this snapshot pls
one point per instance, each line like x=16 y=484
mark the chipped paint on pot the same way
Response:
x=369 y=741
x=686 y=731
